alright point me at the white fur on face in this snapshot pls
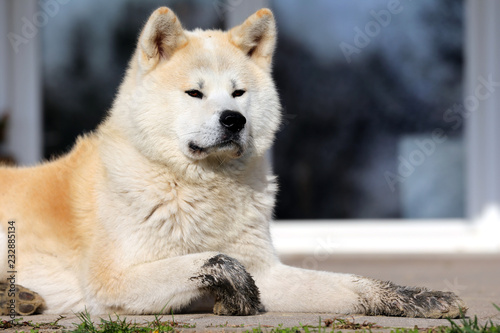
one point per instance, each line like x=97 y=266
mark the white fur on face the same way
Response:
x=169 y=123
x=199 y=129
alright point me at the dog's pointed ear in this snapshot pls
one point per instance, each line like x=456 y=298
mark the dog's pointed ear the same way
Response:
x=256 y=37
x=160 y=38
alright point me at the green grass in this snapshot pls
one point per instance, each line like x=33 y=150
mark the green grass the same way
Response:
x=471 y=325
x=119 y=325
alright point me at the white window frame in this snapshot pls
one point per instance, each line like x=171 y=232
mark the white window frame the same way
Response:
x=480 y=231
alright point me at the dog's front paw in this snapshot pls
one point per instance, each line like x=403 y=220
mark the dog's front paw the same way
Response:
x=419 y=302
x=395 y=300
x=232 y=286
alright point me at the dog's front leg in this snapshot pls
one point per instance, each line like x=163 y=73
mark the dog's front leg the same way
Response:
x=170 y=284
x=285 y=288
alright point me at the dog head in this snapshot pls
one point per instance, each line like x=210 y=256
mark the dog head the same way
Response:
x=201 y=94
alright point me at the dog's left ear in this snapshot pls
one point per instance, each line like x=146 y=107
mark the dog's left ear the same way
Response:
x=161 y=37
x=256 y=37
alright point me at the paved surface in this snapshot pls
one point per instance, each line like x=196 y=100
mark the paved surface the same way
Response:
x=476 y=278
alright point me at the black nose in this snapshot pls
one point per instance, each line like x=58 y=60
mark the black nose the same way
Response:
x=232 y=120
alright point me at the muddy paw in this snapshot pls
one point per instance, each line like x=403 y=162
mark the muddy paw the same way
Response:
x=19 y=300
x=397 y=300
x=234 y=289
x=433 y=304
x=221 y=310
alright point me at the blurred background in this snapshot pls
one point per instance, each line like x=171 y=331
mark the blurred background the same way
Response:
x=372 y=93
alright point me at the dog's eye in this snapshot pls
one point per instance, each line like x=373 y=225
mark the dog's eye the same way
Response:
x=238 y=93
x=195 y=93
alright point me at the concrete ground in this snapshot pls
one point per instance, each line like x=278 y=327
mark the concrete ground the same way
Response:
x=476 y=278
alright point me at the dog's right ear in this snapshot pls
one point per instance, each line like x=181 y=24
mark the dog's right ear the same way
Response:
x=161 y=37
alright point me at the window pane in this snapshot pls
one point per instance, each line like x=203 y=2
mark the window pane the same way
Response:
x=372 y=94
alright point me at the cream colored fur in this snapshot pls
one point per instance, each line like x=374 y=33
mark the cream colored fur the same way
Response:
x=126 y=219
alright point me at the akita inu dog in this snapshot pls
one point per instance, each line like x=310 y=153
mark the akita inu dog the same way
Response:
x=171 y=197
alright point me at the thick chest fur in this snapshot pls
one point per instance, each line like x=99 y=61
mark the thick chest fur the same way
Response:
x=155 y=216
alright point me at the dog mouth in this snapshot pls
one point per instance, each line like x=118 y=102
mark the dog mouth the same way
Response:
x=222 y=146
